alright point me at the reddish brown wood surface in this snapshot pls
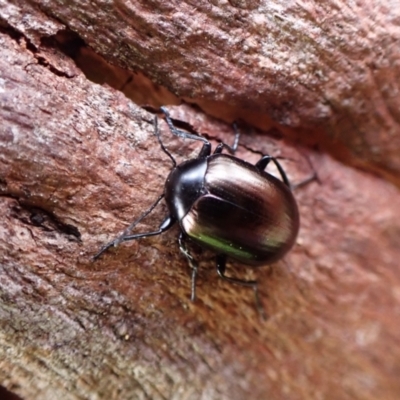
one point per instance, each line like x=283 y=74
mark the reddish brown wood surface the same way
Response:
x=331 y=68
x=79 y=162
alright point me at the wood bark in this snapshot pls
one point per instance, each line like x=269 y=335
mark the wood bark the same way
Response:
x=79 y=162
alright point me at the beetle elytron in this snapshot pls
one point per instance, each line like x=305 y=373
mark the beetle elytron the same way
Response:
x=227 y=205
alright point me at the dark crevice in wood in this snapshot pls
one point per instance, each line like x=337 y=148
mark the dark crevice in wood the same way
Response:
x=66 y=41
x=98 y=70
x=9 y=30
x=36 y=216
x=12 y=32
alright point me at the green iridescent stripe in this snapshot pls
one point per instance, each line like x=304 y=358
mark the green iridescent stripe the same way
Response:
x=223 y=247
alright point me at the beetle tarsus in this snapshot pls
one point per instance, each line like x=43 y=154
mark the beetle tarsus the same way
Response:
x=312 y=177
x=102 y=250
x=237 y=137
x=126 y=234
x=192 y=264
x=260 y=308
x=221 y=267
x=193 y=284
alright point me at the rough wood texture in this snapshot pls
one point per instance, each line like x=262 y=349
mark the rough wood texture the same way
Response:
x=331 y=67
x=78 y=162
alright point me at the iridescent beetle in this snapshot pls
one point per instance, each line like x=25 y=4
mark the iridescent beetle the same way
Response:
x=227 y=205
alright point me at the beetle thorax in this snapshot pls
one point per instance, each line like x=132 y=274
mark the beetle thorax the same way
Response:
x=184 y=186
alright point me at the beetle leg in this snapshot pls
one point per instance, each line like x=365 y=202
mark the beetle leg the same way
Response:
x=192 y=264
x=205 y=150
x=164 y=149
x=264 y=161
x=222 y=146
x=165 y=225
x=232 y=148
x=237 y=137
x=221 y=266
x=219 y=148
x=313 y=177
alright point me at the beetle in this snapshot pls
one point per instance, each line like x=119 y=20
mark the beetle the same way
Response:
x=223 y=203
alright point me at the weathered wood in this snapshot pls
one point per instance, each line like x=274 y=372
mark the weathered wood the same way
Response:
x=78 y=162
x=331 y=68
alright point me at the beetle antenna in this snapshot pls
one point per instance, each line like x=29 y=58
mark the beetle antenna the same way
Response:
x=165 y=150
